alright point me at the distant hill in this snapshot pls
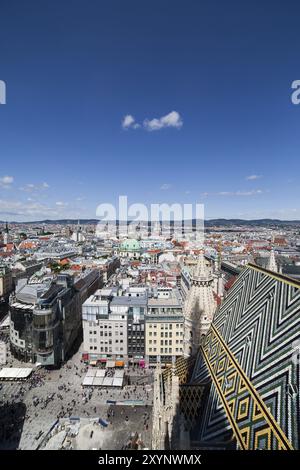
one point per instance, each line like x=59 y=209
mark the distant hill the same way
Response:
x=208 y=223
x=243 y=222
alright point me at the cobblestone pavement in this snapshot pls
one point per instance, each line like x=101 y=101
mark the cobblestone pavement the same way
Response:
x=50 y=395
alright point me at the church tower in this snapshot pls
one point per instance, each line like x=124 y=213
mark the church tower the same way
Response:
x=199 y=307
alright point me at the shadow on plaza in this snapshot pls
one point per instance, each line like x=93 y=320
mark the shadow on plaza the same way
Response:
x=12 y=417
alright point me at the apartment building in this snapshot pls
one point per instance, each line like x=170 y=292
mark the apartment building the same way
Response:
x=164 y=327
x=104 y=327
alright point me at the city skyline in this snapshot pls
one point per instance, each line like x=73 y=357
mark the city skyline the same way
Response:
x=164 y=103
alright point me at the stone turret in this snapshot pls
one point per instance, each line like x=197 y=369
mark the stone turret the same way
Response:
x=272 y=265
x=199 y=307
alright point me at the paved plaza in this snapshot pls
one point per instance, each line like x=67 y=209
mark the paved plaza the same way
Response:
x=29 y=409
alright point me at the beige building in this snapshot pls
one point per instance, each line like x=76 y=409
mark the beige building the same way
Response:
x=5 y=281
x=164 y=327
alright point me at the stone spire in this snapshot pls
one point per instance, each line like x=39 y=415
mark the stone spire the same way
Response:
x=199 y=307
x=201 y=271
x=272 y=265
x=6 y=234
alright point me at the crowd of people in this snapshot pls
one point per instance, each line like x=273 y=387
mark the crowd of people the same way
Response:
x=69 y=396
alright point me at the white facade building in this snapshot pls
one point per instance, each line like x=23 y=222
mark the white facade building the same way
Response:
x=104 y=328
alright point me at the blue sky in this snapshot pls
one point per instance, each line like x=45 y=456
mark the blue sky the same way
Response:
x=74 y=69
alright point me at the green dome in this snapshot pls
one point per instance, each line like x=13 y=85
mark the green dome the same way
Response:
x=130 y=245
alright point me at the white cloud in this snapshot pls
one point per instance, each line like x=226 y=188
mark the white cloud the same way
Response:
x=165 y=186
x=252 y=192
x=173 y=119
x=61 y=204
x=33 y=210
x=6 y=181
x=253 y=177
x=129 y=122
x=19 y=208
x=30 y=187
x=248 y=193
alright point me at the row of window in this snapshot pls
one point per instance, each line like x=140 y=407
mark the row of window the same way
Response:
x=165 y=334
x=165 y=325
x=106 y=325
x=166 y=341
x=104 y=333
x=166 y=350
x=104 y=349
x=94 y=340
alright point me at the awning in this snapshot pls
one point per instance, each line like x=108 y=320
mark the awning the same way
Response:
x=119 y=373
x=93 y=363
x=97 y=382
x=87 y=381
x=117 y=382
x=93 y=357
x=15 y=373
x=107 y=381
x=119 y=363
x=100 y=373
x=110 y=364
